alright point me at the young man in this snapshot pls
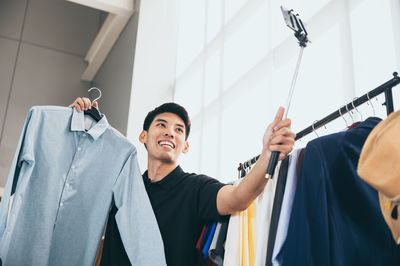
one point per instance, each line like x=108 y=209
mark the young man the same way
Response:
x=182 y=202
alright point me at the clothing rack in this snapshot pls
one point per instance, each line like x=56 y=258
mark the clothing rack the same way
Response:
x=384 y=88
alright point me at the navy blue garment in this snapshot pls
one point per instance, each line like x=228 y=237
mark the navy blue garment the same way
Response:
x=336 y=218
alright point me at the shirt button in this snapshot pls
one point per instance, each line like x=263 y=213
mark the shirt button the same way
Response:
x=73 y=166
x=67 y=185
x=84 y=134
x=61 y=204
x=79 y=148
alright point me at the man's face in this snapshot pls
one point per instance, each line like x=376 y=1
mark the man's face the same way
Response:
x=165 y=139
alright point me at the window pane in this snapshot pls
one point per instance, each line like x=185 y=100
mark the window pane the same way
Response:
x=212 y=82
x=188 y=91
x=245 y=117
x=232 y=7
x=245 y=47
x=210 y=146
x=190 y=161
x=191 y=33
x=374 y=51
x=214 y=18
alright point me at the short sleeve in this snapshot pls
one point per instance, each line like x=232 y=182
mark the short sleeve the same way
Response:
x=207 y=199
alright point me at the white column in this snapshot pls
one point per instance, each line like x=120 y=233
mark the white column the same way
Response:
x=154 y=65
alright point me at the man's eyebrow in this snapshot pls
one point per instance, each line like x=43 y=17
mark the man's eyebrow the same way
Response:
x=161 y=120
x=180 y=125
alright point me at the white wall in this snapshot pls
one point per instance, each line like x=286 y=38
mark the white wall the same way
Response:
x=42 y=46
x=155 y=53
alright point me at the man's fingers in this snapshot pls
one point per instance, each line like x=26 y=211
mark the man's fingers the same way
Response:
x=278 y=116
x=87 y=103
x=282 y=140
x=84 y=103
x=95 y=104
x=284 y=132
x=80 y=105
x=284 y=123
x=283 y=149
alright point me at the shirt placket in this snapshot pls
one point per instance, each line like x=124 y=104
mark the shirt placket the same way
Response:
x=72 y=173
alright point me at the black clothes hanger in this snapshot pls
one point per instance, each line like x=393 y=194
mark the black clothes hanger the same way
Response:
x=94 y=112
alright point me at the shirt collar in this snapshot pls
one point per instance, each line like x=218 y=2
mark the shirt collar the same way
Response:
x=168 y=182
x=78 y=124
x=369 y=123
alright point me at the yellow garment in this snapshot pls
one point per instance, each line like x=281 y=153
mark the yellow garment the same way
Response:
x=248 y=235
x=241 y=238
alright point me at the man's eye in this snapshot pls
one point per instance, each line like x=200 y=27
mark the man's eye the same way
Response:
x=180 y=130
x=160 y=124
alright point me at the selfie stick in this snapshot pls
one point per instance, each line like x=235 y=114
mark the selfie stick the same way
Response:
x=295 y=23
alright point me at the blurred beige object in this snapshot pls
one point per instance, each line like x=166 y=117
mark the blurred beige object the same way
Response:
x=379 y=166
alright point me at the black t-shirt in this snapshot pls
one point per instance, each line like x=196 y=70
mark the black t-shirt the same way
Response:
x=183 y=203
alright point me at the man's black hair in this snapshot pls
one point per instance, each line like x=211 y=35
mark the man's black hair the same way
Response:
x=168 y=108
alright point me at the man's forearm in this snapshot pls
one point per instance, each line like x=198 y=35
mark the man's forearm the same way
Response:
x=252 y=184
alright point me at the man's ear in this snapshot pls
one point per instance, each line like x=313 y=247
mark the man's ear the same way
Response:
x=186 y=148
x=143 y=136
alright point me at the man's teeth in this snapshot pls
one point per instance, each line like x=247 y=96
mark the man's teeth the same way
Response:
x=166 y=143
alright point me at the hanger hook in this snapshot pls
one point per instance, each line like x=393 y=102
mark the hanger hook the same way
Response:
x=352 y=103
x=352 y=119
x=95 y=88
x=369 y=99
x=314 y=128
x=340 y=112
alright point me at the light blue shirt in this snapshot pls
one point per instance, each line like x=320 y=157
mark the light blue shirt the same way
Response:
x=286 y=208
x=64 y=181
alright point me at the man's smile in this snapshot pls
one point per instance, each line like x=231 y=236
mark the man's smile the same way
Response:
x=167 y=143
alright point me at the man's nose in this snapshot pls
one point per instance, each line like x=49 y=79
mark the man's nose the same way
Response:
x=169 y=133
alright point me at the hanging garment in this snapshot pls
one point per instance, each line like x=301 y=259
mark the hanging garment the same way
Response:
x=213 y=244
x=276 y=208
x=217 y=253
x=248 y=238
x=198 y=245
x=264 y=211
x=208 y=241
x=336 y=218
x=205 y=237
x=64 y=180
x=286 y=209
x=299 y=164
x=232 y=251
